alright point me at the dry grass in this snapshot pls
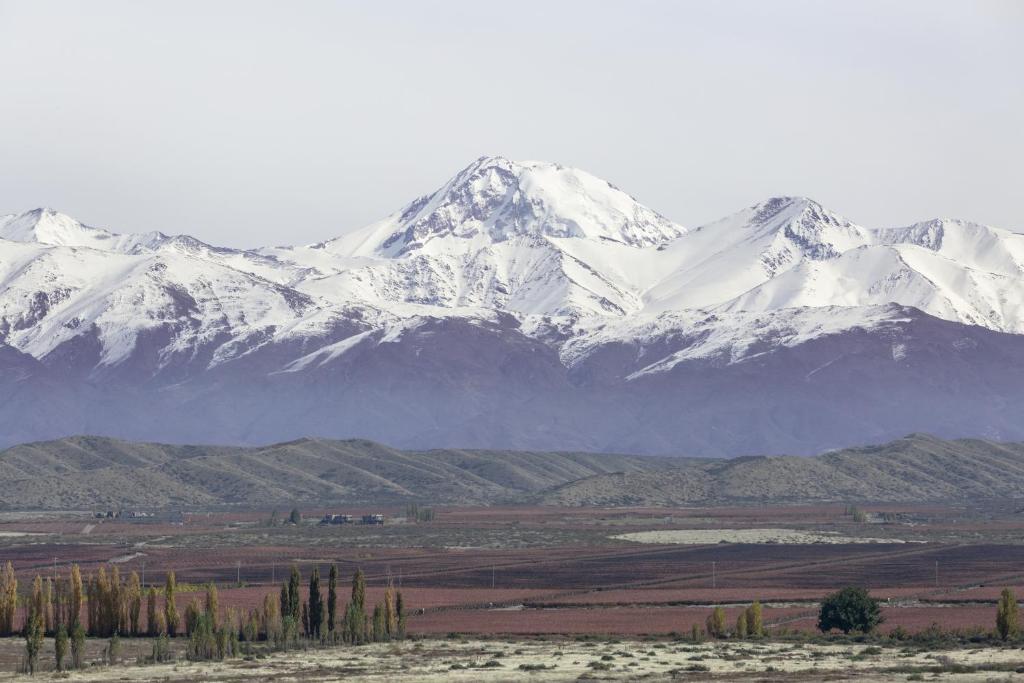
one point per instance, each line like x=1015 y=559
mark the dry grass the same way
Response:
x=481 y=660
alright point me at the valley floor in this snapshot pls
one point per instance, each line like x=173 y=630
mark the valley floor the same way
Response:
x=551 y=593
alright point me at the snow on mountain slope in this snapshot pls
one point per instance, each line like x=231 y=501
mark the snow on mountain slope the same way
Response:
x=554 y=246
x=51 y=295
x=47 y=226
x=501 y=199
x=667 y=339
x=521 y=305
x=950 y=269
x=972 y=245
x=718 y=262
x=528 y=237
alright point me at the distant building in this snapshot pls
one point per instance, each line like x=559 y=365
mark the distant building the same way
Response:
x=337 y=519
x=330 y=518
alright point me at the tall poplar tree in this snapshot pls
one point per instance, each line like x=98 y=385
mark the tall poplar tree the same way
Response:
x=171 y=609
x=390 y=617
x=212 y=606
x=294 y=596
x=75 y=603
x=359 y=590
x=151 y=620
x=316 y=603
x=8 y=600
x=332 y=598
x=134 y=603
x=1007 y=619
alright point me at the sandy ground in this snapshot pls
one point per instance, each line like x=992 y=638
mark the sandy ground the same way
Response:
x=449 y=660
x=710 y=536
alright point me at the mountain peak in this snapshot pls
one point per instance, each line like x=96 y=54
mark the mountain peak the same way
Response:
x=53 y=228
x=495 y=199
x=47 y=226
x=805 y=225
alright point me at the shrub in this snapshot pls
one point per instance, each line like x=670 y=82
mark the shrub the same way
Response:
x=202 y=644
x=161 y=649
x=114 y=649
x=849 y=609
x=716 y=623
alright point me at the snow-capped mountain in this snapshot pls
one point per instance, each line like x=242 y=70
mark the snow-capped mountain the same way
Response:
x=522 y=304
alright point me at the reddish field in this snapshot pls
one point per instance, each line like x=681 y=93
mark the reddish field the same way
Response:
x=915 y=619
x=623 y=620
x=596 y=585
x=706 y=596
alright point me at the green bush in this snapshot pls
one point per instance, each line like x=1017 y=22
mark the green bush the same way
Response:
x=849 y=609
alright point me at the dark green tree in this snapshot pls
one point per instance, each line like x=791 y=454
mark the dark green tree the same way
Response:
x=60 y=646
x=849 y=609
x=78 y=646
x=202 y=643
x=316 y=603
x=359 y=590
x=285 y=601
x=114 y=649
x=379 y=629
x=354 y=625
x=295 y=517
x=151 y=620
x=332 y=598
x=33 y=641
x=400 y=609
x=294 y=597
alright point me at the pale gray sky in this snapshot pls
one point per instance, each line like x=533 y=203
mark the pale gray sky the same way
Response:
x=248 y=123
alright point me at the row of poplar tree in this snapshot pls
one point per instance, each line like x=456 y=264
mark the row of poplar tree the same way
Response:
x=105 y=604
x=318 y=618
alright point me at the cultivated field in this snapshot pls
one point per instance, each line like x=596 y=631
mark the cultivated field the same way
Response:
x=570 y=577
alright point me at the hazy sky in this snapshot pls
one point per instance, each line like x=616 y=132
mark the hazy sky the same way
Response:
x=248 y=123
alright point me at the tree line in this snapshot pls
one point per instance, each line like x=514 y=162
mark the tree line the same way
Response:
x=106 y=605
x=319 y=619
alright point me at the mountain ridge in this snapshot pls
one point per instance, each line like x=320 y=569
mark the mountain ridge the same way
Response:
x=95 y=472
x=582 y=301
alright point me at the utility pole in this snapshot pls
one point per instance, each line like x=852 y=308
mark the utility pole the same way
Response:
x=492 y=576
x=273 y=573
x=714 y=578
x=238 y=572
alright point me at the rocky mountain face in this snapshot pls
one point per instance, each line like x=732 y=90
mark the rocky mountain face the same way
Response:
x=522 y=305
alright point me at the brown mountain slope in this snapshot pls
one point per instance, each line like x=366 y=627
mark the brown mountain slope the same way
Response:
x=916 y=468
x=88 y=472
